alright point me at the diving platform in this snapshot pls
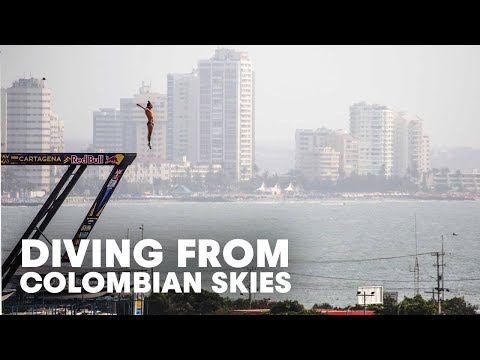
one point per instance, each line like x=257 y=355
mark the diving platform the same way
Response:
x=77 y=164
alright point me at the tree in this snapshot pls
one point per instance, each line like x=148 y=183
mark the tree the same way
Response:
x=458 y=306
x=158 y=304
x=244 y=303
x=389 y=307
x=287 y=307
x=322 y=306
x=416 y=306
x=205 y=302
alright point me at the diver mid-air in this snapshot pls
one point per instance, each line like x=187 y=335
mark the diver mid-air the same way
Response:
x=149 y=114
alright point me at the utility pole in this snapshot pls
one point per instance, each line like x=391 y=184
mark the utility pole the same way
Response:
x=416 y=269
x=364 y=295
x=438 y=288
x=443 y=265
x=433 y=294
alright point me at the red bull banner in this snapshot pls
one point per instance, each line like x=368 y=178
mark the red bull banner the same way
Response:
x=62 y=158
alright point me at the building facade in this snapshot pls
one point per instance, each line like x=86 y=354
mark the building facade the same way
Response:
x=57 y=145
x=411 y=147
x=182 y=125
x=461 y=181
x=315 y=156
x=347 y=147
x=226 y=113
x=316 y=153
x=141 y=172
x=125 y=130
x=135 y=123
x=426 y=163
x=108 y=130
x=57 y=129
x=373 y=127
x=400 y=146
x=29 y=120
x=3 y=118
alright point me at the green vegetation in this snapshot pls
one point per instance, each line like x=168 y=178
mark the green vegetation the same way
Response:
x=322 y=306
x=205 y=302
x=417 y=305
x=287 y=307
x=458 y=306
x=211 y=303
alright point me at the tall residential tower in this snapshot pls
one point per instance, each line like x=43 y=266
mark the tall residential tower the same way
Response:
x=373 y=127
x=29 y=119
x=226 y=113
x=182 y=124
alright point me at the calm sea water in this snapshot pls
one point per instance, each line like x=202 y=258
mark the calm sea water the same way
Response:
x=326 y=238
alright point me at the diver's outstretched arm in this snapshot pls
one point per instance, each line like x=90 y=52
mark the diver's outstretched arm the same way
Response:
x=141 y=107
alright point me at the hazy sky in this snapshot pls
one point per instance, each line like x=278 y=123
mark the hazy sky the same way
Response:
x=296 y=86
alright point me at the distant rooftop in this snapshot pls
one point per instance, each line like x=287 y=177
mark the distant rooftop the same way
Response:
x=409 y=117
x=145 y=89
x=29 y=83
x=373 y=105
x=226 y=54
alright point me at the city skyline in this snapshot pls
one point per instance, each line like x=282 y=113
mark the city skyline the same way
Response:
x=207 y=117
x=296 y=86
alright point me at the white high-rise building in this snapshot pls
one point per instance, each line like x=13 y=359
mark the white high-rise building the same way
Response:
x=373 y=127
x=347 y=146
x=108 y=130
x=327 y=164
x=411 y=146
x=226 y=113
x=425 y=166
x=418 y=148
x=29 y=119
x=317 y=163
x=3 y=117
x=57 y=128
x=57 y=145
x=135 y=123
x=400 y=146
x=323 y=153
x=182 y=127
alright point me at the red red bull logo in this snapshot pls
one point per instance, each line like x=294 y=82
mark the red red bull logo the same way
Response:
x=114 y=159
x=87 y=159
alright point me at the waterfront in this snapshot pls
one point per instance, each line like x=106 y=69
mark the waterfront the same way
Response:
x=326 y=239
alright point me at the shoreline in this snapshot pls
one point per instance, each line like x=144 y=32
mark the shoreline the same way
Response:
x=344 y=198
